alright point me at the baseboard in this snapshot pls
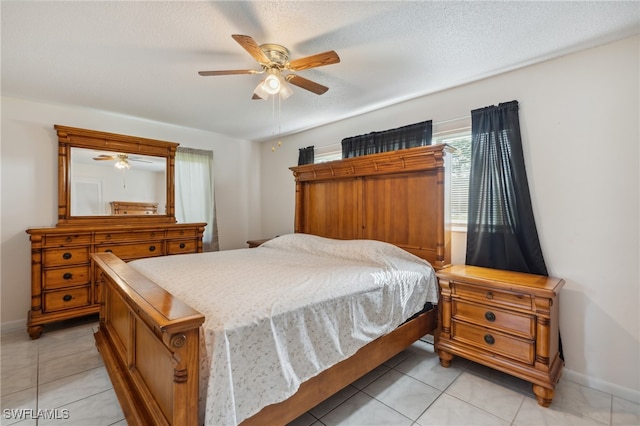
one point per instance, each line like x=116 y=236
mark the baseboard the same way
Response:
x=615 y=390
x=14 y=325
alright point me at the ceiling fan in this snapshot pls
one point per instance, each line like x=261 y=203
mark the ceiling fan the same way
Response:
x=274 y=60
x=122 y=160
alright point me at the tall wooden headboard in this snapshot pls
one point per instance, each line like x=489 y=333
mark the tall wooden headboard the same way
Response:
x=400 y=197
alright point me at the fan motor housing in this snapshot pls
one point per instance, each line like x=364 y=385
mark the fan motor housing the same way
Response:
x=277 y=54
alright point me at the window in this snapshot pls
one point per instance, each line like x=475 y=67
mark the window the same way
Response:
x=323 y=154
x=460 y=166
x=194 y=191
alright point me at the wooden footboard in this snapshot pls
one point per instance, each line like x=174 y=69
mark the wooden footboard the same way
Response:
x=149 y=341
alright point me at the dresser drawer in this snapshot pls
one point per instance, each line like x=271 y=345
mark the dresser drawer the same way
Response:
x=66 y=239
x=114 y=236
x=134 y=251
x=182 y=233
x=66 y=277
x=182 y=247
x=65 y=256
x=488 y=316
x=492 y=296
x=494 y=341
x=67 y=299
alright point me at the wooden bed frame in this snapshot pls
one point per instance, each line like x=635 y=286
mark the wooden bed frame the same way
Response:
x=149 y=340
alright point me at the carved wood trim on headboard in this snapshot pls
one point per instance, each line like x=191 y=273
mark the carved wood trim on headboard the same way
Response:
x=400 y=197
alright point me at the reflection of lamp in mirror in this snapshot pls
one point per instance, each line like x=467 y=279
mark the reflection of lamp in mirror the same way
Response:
x=123 y=162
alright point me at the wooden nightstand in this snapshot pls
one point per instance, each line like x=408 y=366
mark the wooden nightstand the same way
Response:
x=504 y=320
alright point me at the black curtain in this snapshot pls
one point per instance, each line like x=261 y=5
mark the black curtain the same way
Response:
x=306 y=155
x=418 y=134
x=501 y=230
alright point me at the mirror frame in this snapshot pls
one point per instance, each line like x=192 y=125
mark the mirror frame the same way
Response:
x=71 y=137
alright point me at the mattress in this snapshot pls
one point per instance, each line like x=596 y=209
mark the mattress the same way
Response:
x=281 y=313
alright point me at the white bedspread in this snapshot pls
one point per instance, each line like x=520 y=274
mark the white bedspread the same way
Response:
x=279 y=314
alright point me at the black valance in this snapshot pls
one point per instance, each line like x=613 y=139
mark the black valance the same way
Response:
x=306 y=155
x=412 y=135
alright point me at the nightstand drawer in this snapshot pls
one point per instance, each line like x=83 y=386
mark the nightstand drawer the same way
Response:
x=489 y=316
x=65 y=256
x=492 y=296
x=67 y=299
x=66 y=277
x=494 y=341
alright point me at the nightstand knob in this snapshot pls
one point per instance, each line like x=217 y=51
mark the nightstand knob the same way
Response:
x=489 y=295
x=489 y=339
x=152 y=248
x=490 y=316
x=66 y=256
x=67 y=276
x=67 y=297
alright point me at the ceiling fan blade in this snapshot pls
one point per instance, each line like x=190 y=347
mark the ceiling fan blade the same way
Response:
x=228 y=72
x=102 y=157
x=306 y=84
x=255 y=97
x=252 y=47
x=319 y=60
x=140 y=161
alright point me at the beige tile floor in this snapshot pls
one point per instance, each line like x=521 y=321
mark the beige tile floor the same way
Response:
x=62 y=372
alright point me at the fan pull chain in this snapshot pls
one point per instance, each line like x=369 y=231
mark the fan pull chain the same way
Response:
x=278 y=122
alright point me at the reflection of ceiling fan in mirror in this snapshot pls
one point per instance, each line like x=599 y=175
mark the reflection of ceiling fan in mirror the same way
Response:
x=274 y=60
x=122 y=160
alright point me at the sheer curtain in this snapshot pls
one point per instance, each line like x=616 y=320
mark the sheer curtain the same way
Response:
x=501 y=230
x=195 y=194
x=418 y=134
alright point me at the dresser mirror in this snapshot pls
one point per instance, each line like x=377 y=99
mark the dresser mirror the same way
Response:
x=106 y=178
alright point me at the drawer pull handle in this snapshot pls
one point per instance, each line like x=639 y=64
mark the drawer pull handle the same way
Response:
x=67 y=276
x=153 y=234
x=108 y=236
x=489 y=339
x=152 y=248
x=66 y=256
x=489 y=295
x=108 y=251
x=182 y=245
x=67 y=297
x=181 y=232
x=490 y=316
x=69 y=239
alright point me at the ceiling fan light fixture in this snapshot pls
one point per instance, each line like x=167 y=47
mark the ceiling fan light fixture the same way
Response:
x=285 y=91
x=260 y=91
x=272 y=84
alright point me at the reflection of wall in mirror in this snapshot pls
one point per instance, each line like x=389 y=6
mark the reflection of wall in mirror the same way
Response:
x=119 y=185
x=88 y=197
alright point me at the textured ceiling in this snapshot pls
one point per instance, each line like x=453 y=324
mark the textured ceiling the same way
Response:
x=142 y=58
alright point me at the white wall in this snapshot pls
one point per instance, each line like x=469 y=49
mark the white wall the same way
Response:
x=579 y=118
x=29 y=183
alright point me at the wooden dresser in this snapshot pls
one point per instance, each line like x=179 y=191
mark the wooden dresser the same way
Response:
x=64 y=283
x=504 y=320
